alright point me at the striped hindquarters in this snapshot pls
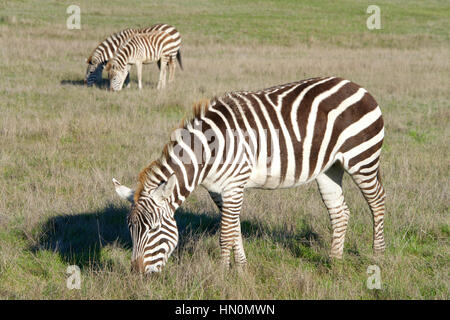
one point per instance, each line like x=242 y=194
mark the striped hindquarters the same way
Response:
x=170 y=38
x=173 y=39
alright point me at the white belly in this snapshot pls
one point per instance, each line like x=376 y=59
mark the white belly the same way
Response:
x=262 y=179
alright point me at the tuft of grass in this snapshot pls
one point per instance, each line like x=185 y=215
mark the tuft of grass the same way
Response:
x=419 y=137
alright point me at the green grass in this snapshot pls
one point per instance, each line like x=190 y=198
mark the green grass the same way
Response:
x=61 y=143
x=269 y=22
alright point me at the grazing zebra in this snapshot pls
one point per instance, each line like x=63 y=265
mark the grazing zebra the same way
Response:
x=144 y=48
x=106 y=49
x=279 y=137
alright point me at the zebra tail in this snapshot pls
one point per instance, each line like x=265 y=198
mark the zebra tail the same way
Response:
x=179 y=59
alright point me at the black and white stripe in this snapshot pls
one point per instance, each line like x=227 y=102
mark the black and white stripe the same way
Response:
x=280 y=137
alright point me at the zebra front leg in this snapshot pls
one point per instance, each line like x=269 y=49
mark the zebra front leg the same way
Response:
x=139 y=74
x=230 y=227
x=330 y=187
x=238 y=248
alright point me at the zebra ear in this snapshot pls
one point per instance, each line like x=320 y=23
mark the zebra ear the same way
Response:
x=165 y=190
x=124 y=192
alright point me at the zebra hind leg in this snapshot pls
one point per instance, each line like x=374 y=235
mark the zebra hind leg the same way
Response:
x=330 y=187
x=368 y=180
x=162 y=74
x=172 y=66
x=139 y=74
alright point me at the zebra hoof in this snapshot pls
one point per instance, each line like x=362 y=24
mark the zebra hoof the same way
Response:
x=225 y=265
x=378 y=253
x=241 y=267
x=336 y=256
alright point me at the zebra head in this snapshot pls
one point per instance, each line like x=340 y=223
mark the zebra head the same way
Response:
x=116 y=76
x=152 y=225
x=93 y=71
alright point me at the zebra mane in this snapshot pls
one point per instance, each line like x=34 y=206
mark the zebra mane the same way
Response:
x=94 y=52
x=145 y=176
x=148 y=177
x=199 y=108
x=112 y=63
x=89 y=59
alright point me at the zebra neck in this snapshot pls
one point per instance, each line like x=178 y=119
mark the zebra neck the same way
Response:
x=182 y=163
x=173 y=161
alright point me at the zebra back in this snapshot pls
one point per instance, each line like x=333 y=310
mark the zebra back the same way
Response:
x=175 y=37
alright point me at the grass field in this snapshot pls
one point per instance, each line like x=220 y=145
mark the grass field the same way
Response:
x=61 y=143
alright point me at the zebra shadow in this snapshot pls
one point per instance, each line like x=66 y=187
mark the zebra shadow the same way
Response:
x=79 y=238
x=100 y=84
x=301 y=242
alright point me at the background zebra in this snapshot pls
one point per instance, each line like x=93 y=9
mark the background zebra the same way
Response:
x=107 y=48
x=279 y=137
x=144 y=48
